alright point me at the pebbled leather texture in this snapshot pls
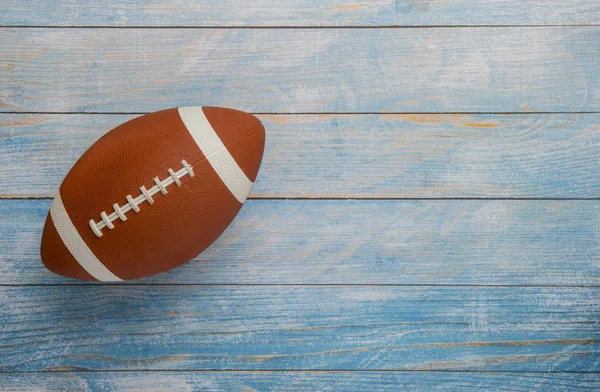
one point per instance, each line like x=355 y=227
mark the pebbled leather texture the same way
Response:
x=180 y=224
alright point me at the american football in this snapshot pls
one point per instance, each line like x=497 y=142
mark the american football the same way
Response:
x=152 y=193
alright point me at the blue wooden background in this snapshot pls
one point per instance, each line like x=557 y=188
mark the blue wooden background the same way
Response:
x=427 y=216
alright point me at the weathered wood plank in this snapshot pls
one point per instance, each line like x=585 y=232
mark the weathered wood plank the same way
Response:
x=449 y=242
x=298 y=381
x=349 y=156
x=296 y=13
x=299 y=327
x=302 y=70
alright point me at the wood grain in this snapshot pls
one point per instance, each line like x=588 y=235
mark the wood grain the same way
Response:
x=321 y=294
x=297 y=381
x=295 y=13
x=524 y=69
x=450 y=242
x=299 y=327
x=354 y=156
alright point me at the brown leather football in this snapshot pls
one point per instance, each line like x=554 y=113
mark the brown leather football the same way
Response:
x=152 y=193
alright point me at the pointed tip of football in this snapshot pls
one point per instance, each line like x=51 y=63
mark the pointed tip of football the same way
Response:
x=56 y=257
x=242 y=133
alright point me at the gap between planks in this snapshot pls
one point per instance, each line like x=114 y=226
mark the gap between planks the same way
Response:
x=312 y=27
x=317 y=198
x=295 y=371
x=311 y=113
x=133 y=283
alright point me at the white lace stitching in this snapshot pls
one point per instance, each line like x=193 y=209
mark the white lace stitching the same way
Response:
x=146 y=195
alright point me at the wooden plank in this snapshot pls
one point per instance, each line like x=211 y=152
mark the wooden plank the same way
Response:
x=297 y=381
x=295 y=13
x=450 y=242
x=299 y=328
x=522 y=69
x=350 y=156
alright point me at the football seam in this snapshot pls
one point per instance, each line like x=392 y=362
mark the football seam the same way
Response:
x=133 y=204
